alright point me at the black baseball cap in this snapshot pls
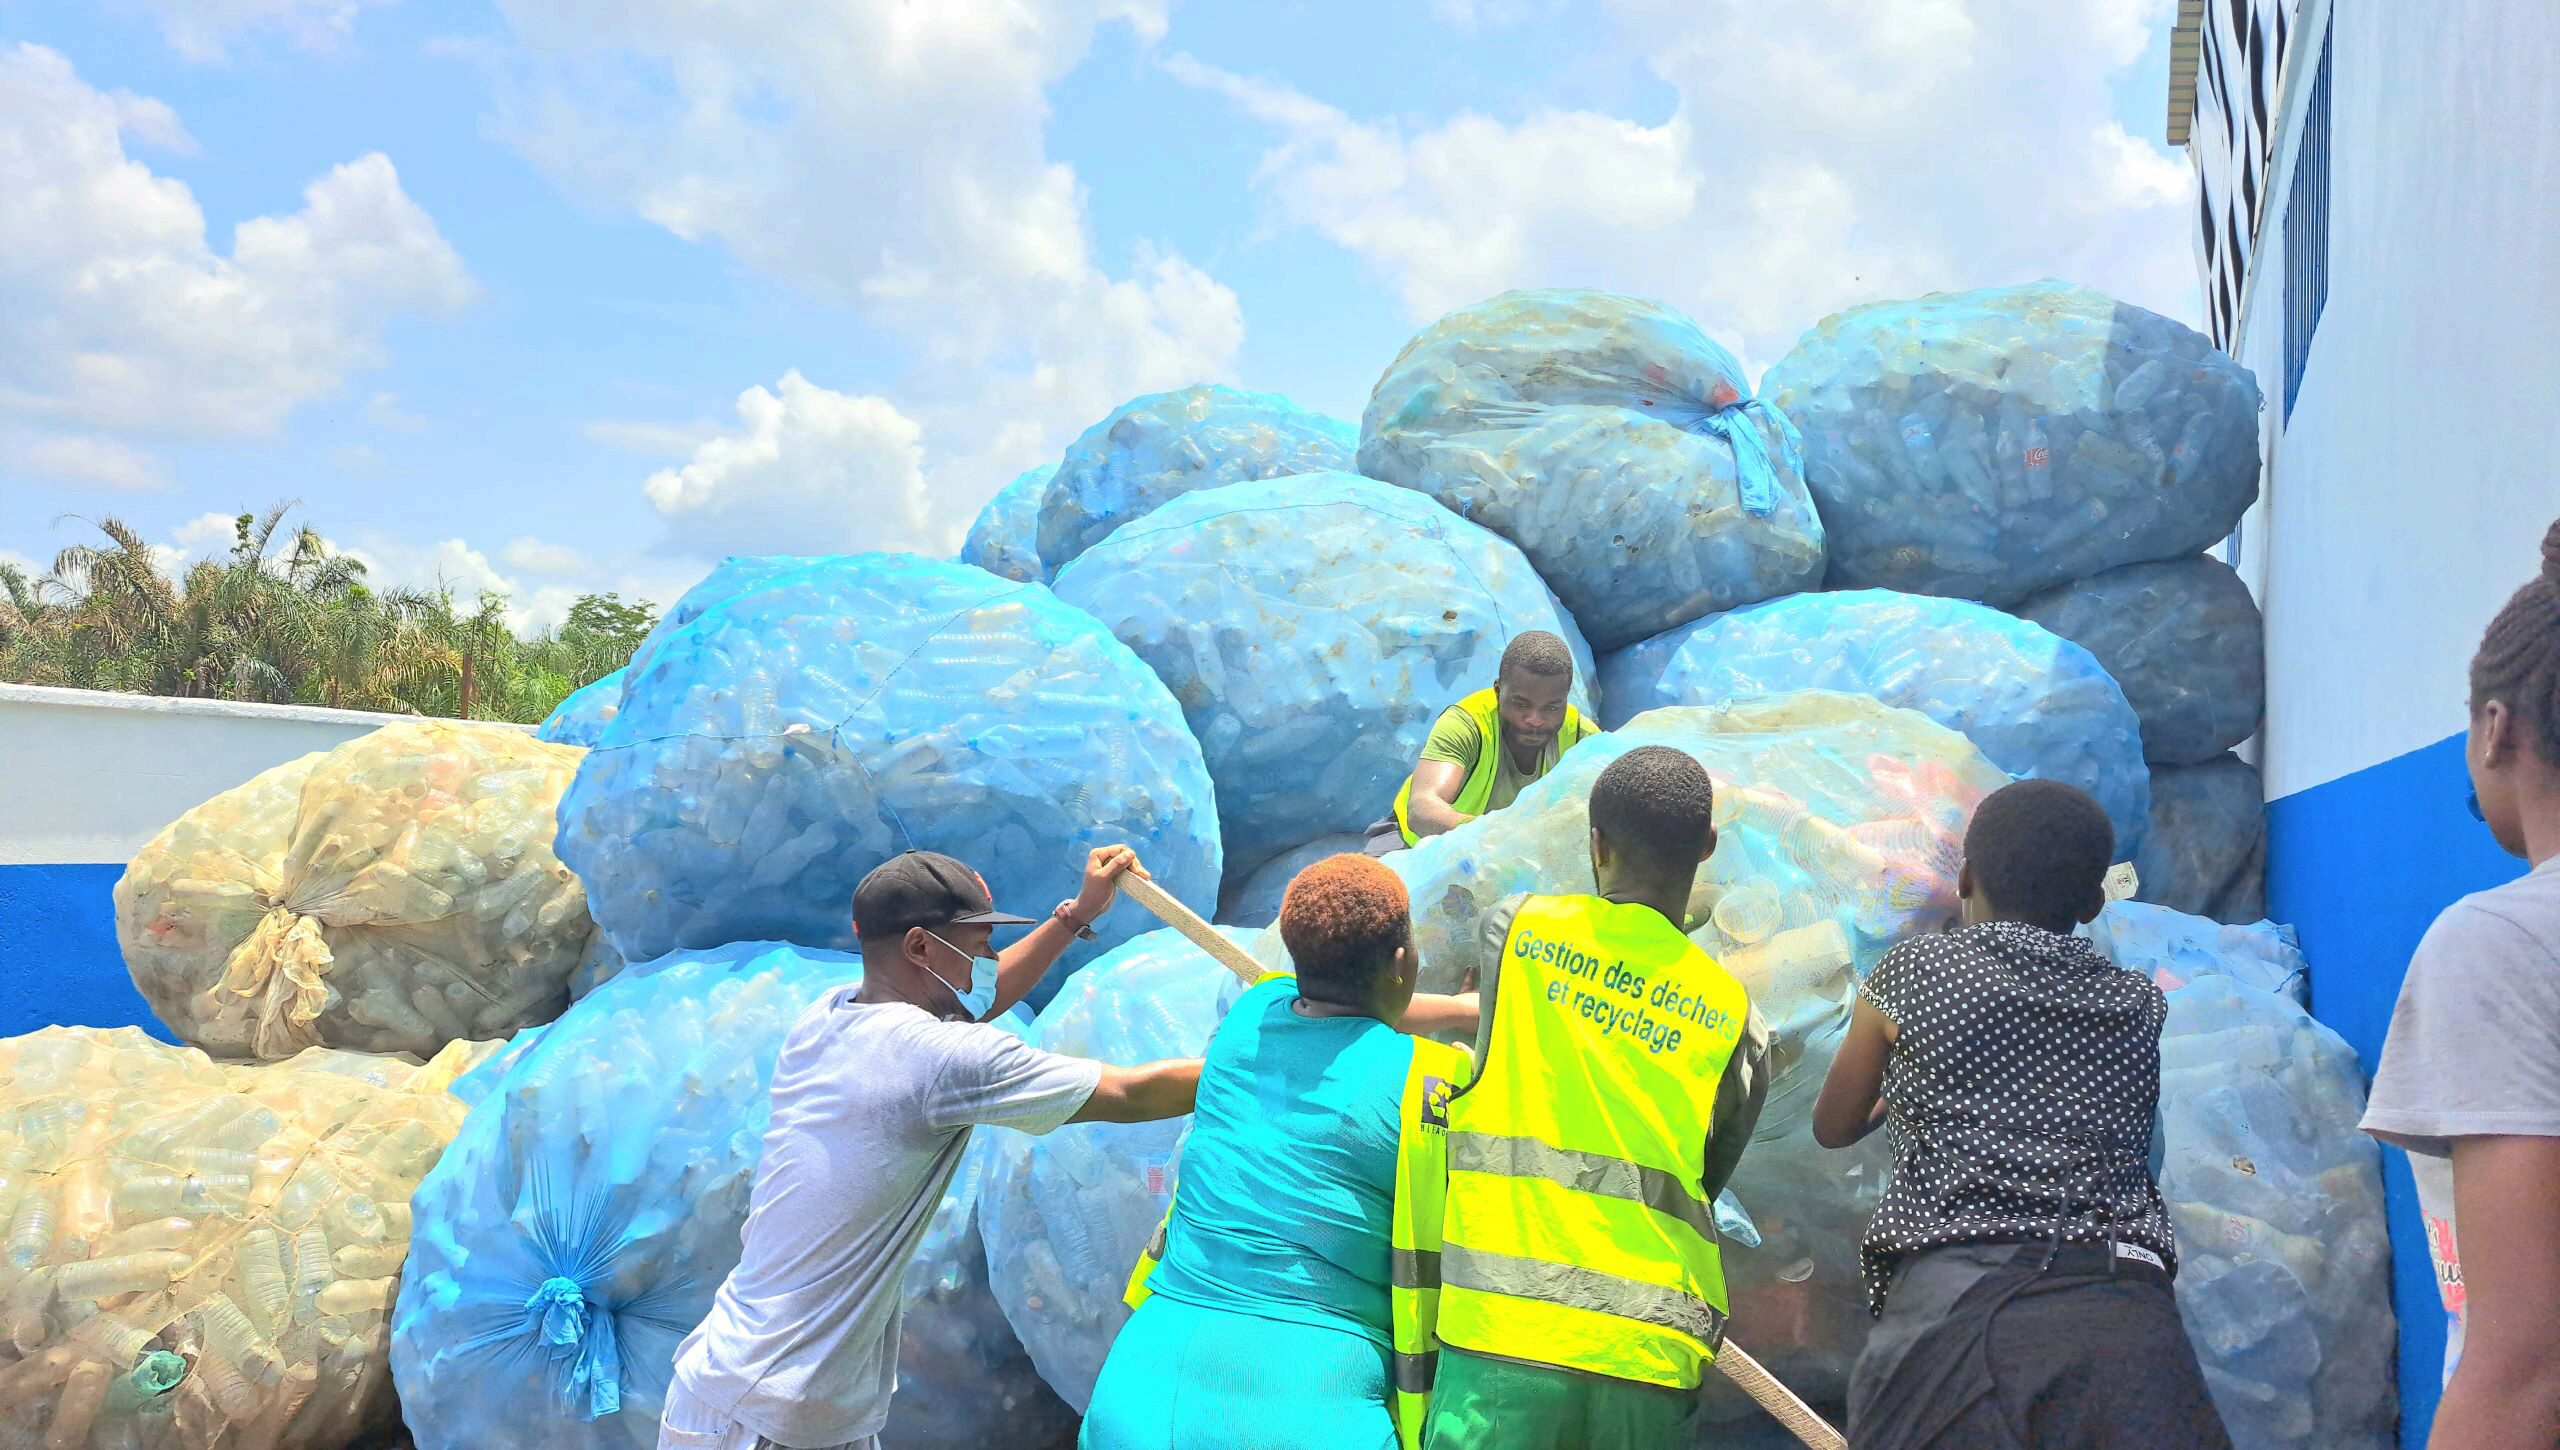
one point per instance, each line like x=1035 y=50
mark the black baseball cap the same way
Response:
x=927 y=889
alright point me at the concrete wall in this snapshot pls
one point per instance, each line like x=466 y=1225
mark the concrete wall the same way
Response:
x=2405 y=500
x=90 y=777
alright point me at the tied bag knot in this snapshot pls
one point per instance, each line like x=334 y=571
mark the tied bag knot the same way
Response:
x=564 y=1323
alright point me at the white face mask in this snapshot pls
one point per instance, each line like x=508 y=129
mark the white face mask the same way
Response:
x=980 y=997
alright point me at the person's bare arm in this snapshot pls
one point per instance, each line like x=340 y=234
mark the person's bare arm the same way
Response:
x=1020 y=966
x=1436 y=783
x=1434 y=1014
x=1142 y=1094
x=2505 y=1393
x=1852 y=1101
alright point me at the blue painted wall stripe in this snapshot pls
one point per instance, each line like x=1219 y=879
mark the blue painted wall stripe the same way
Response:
x=59 y=962
x=2361 y=866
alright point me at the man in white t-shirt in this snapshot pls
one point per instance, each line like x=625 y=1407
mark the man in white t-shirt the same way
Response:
x=873 y=1099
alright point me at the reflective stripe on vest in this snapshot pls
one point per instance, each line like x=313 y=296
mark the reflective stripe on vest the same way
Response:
x=1576 y=1233
x=1414 y=1249
x=1485 y=708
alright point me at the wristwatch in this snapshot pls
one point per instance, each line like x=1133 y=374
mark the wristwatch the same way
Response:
x=1066 y=912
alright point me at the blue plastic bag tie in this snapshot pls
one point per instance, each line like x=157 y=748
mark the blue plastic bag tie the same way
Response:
x=1755 y=476
x=562 y=1321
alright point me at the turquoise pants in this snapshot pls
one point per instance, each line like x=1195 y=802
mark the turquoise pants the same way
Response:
x=1180 y=1377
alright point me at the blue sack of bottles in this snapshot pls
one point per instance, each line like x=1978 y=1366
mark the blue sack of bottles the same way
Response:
x=2207 y=850
x=777 y=748
x=1615 y=443
x=1990 y=444
x=580 y=719
x=2036 y=704
x=1005 y=539
x=2184 y=639
x=1312 y=628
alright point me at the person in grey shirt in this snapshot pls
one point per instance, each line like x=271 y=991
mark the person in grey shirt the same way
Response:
x=2470 y=1077
x=874 y=1097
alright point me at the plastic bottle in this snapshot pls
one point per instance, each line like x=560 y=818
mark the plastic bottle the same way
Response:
x=94 y=1279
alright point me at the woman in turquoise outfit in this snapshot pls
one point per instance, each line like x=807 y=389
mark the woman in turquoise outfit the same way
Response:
x=1267 y=1322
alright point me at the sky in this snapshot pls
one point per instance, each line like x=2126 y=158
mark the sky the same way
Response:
x=583 y=295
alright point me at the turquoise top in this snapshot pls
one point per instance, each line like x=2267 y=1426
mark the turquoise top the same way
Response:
x=1287 y=1185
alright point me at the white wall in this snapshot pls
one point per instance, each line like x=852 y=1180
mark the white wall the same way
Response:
x=2407 y=497
x=89 y=777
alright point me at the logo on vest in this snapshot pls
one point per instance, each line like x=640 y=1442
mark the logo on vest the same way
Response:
x=1654 y=1012
x=1435 y=1104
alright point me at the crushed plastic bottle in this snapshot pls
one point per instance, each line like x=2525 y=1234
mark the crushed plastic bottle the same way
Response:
x=1313 y=628
x=197 y=1255
x=590 y=1208
x=580 y=719
x=1005 y=540
x=1154 y=449
x=1615 y=443
x=391 y=895
x=2184 y=639
x=1989 y=444
x=2207 y=850
x=2037 y=705
x=1254 y=902
x=784 y=743
x=2284 y=1274
x=1840 y=826
x=1065 y=1215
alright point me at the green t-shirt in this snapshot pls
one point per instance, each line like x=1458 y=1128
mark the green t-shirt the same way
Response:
x=1456 y=738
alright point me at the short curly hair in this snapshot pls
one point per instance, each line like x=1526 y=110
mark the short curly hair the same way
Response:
x=2039 y=849
x=1657 y=805
x=1342 y=920
x=1538 y=652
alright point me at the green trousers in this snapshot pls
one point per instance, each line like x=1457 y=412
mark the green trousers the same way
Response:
x=1482 y=1403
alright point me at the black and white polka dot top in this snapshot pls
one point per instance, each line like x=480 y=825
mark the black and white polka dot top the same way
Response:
x=2023 y=1084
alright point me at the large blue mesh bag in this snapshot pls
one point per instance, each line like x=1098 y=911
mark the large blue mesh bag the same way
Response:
x=1988 y=444
x=1154 y=449
x=1254 y=901
x=2207 y=851
x=2037 y=705
x=1312 y=628
x=589 y=1209
x=2176 y=947
x=1840 y=825
x=777 y=748
x=1615 y=443
x=2284 y=1262
x=1065 y=1215
x=732 y=576
x=1005 y=540
x=580 y=719
x=2184 y=639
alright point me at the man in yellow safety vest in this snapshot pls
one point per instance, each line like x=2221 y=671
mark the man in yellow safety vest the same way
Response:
x=1619 y=1073
x=1487 y=748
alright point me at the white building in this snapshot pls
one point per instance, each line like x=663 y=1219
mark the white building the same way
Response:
x=2377 y=238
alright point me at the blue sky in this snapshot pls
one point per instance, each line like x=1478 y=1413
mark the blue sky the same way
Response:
x=551 y=297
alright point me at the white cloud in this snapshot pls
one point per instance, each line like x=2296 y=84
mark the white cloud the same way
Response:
x=202 y=30
x=533 y=556
x=207 y=534
x=892 y=158
x=1820 y=153
x=656 y=440
x=383 y=411
x=115 y=313
x=807 y=470
x=83 y=459
x=360 y=460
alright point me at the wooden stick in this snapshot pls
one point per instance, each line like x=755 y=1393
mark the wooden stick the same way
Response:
x=1739 y=1367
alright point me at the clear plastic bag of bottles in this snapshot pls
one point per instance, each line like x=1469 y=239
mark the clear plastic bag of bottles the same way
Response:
x=1615 y=443
x=2207 y=851
x=1154 y=449
x=391 y=895
x=2036 y=704
x=2184 y=639
x=1840 y=826
x=1005 y=539
x=1313 y=628
x=1990 y=444
x=591 y=1205
x=201 y=1255
x=1065 y=1215
x=2174 y=948
x=776 y=749
x=2284 y=1264
x=580 y=718
x=1254 y=902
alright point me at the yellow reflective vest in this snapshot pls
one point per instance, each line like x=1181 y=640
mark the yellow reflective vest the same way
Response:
x=1576 y=1232
x=1486 y=708
x=1413 y=1290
